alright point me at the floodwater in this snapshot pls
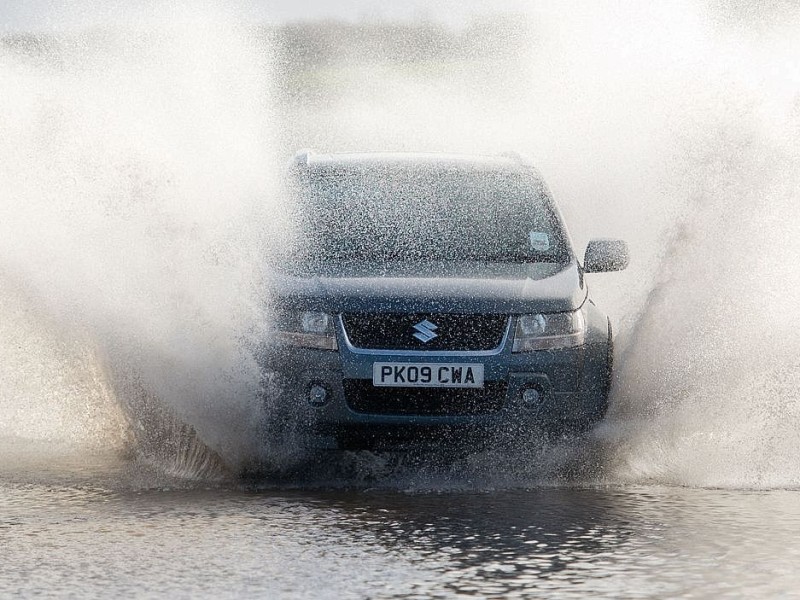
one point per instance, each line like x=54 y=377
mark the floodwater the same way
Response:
x=92 y=528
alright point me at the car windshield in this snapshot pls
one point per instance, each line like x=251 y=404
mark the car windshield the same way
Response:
x=417 y=214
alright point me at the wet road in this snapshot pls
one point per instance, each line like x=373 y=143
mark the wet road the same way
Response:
x=96 y=528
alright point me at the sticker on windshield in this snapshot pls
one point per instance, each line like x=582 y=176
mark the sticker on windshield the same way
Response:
x=540 y=241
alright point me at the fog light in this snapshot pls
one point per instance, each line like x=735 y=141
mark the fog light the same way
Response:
x=317 y=394
x=531 y=397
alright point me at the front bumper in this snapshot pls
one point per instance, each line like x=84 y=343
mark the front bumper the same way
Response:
x=558 y=375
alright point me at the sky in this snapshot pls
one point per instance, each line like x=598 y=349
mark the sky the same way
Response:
x=20 y=15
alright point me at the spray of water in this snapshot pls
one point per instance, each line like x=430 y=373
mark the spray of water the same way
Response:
x=135 y=175
x=708 y=376
x=134 y=170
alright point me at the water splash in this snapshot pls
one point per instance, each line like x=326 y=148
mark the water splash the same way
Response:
x=135 y=165
x=674 y=127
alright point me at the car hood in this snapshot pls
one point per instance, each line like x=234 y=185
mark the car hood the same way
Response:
x=438 y=287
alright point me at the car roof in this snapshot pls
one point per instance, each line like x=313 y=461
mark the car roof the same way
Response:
x=312 y=161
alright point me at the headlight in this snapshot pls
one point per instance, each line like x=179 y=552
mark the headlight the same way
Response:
x=307 y=329
x=547 y=332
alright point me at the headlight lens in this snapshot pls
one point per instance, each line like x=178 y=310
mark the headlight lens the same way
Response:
x=309 y=329
x=548 y=332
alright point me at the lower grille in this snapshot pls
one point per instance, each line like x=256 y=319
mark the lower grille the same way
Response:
x=362 y=397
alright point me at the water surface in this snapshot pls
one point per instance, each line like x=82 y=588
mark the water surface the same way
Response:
x=109 y=527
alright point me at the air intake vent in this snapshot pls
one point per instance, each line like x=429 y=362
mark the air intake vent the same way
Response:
x=362 y=397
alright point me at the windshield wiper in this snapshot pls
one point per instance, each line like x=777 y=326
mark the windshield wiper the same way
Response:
x=518 y=257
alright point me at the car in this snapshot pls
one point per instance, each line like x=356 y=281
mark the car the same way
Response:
x=434 y=298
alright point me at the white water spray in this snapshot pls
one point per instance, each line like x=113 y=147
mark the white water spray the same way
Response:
x=135 y=178
x=134 y=171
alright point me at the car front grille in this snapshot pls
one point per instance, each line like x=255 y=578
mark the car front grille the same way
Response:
x=364 y=398
x=423 y=331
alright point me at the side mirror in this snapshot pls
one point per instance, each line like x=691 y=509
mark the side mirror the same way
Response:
x=606 y=255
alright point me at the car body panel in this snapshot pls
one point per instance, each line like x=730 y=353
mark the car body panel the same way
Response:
x=490 y=288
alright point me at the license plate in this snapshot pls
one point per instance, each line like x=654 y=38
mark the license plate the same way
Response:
x=427 y=375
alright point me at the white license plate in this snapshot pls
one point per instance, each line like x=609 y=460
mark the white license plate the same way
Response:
x=427 y=375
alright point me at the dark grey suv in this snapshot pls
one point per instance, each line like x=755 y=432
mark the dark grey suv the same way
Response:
x=435 y=297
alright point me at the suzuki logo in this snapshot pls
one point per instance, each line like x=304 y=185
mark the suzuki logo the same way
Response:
x=425 y=331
